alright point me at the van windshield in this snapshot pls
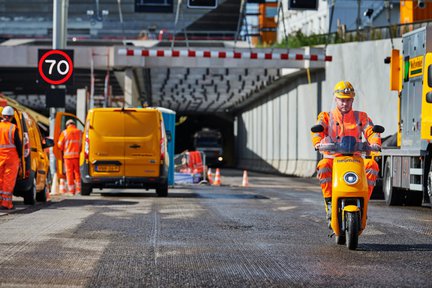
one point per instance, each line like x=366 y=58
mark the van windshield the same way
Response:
x=125 y=124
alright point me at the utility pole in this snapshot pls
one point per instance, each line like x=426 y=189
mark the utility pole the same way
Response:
x=60 y=12
x=358 y=20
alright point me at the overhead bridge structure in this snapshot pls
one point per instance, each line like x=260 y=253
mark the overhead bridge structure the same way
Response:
x=188 y=80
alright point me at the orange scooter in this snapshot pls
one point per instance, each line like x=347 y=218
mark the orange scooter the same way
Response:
x=350 y=197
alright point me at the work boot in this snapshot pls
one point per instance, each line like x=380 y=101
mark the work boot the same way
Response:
x=328 y=211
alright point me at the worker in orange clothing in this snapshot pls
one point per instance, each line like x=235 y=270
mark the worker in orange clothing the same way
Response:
x=344 y=121
x=10 y=153
x=70 y=143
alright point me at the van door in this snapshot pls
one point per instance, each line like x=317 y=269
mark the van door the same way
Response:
x=25 y=161
x=59 y=126
x=142 y=143
x=106 y=131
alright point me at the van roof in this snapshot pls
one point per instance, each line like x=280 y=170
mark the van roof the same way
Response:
x=119 y=109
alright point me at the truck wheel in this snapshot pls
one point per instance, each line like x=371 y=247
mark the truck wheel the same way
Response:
x=429 y=184
x=392 y=195
x=30 y=195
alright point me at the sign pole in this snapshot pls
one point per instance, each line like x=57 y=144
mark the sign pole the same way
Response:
x=59 y=42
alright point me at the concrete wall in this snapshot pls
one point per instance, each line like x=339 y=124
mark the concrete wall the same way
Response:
x=272 y=135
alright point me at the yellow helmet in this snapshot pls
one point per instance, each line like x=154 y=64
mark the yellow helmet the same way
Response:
x=344 y=89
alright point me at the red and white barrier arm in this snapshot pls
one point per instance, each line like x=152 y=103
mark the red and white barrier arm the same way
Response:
x=222 y=54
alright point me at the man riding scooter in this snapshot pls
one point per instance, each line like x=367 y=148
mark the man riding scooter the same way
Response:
x=344 y=121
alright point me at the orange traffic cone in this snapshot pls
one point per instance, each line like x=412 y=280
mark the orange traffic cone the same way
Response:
x=245 y=182
x=62 y=186
x=209 y=176
x=217 y=181
x=54 y=186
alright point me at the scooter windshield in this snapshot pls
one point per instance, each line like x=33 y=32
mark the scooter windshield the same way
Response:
x=347 y=145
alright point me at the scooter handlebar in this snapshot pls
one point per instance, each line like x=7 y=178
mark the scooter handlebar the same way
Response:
x=337 y=147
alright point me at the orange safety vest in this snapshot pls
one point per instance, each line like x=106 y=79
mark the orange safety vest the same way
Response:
x=7 y=139
x=70 y=142
x=353 y=123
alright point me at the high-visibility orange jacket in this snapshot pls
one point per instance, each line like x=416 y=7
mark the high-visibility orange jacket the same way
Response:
x=9 y=137
x=353 y=123
x=9 y=162
x=70 y=142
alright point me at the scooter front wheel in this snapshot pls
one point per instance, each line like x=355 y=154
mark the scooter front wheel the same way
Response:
x=352 y=230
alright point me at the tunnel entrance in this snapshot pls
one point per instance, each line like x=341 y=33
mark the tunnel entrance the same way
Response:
x=188 y=124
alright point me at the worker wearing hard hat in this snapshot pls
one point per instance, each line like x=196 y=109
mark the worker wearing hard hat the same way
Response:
x=70 y=143
x=10 y=153
x=344 y=121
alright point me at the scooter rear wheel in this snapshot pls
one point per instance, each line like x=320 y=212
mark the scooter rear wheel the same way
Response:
x=341 y=240
x=352 y=230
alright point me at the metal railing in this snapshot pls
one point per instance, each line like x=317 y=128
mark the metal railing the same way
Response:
x=372 y=33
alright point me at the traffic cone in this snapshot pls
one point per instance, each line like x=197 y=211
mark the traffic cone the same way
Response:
x=54 y=185
x=245 y=182
x=209 y=176
x=217 y=181
x=62 y=186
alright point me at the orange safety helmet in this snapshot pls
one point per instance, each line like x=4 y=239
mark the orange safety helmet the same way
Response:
x=344 y=89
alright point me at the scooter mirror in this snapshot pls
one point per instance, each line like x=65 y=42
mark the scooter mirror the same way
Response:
x=378 y=129
x=317 y=128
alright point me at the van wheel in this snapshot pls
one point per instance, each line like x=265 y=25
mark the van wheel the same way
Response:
x=86 y=189
x=42 y=196
x=30 y=195
x=162 y=191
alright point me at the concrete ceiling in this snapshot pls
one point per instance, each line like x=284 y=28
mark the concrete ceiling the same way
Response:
x=207 y=89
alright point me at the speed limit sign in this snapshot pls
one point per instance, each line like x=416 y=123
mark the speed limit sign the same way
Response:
x=56 y=66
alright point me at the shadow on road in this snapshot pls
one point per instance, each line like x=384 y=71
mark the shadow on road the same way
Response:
x=396 y=247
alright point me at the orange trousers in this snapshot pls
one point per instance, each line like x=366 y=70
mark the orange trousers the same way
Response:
x=325 y=167
x=73 y=176
x=9 y=165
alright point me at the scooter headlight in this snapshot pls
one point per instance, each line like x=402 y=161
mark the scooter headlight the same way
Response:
x=350 y=178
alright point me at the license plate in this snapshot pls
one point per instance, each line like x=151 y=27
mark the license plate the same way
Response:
x=107 y=168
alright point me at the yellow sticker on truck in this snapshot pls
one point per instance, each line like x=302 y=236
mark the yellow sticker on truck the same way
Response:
x=416 y=66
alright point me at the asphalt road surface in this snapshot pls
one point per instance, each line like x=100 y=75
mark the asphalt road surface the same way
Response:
x=270 y=234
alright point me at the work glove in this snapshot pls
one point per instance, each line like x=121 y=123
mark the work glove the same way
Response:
x=375 y=147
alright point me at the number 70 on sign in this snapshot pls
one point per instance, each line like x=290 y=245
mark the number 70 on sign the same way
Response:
x=56 y=66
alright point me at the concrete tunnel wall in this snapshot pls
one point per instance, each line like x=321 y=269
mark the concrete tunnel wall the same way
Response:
x=272 y=134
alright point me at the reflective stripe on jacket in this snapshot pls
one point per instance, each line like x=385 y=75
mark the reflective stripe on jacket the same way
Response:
x=70 y=142
x=353 y=123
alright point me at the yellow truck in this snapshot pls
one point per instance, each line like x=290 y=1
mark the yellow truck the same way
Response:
x=406 y=163
x=122 y=148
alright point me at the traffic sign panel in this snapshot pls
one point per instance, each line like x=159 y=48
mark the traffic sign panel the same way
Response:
x=55 y=66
